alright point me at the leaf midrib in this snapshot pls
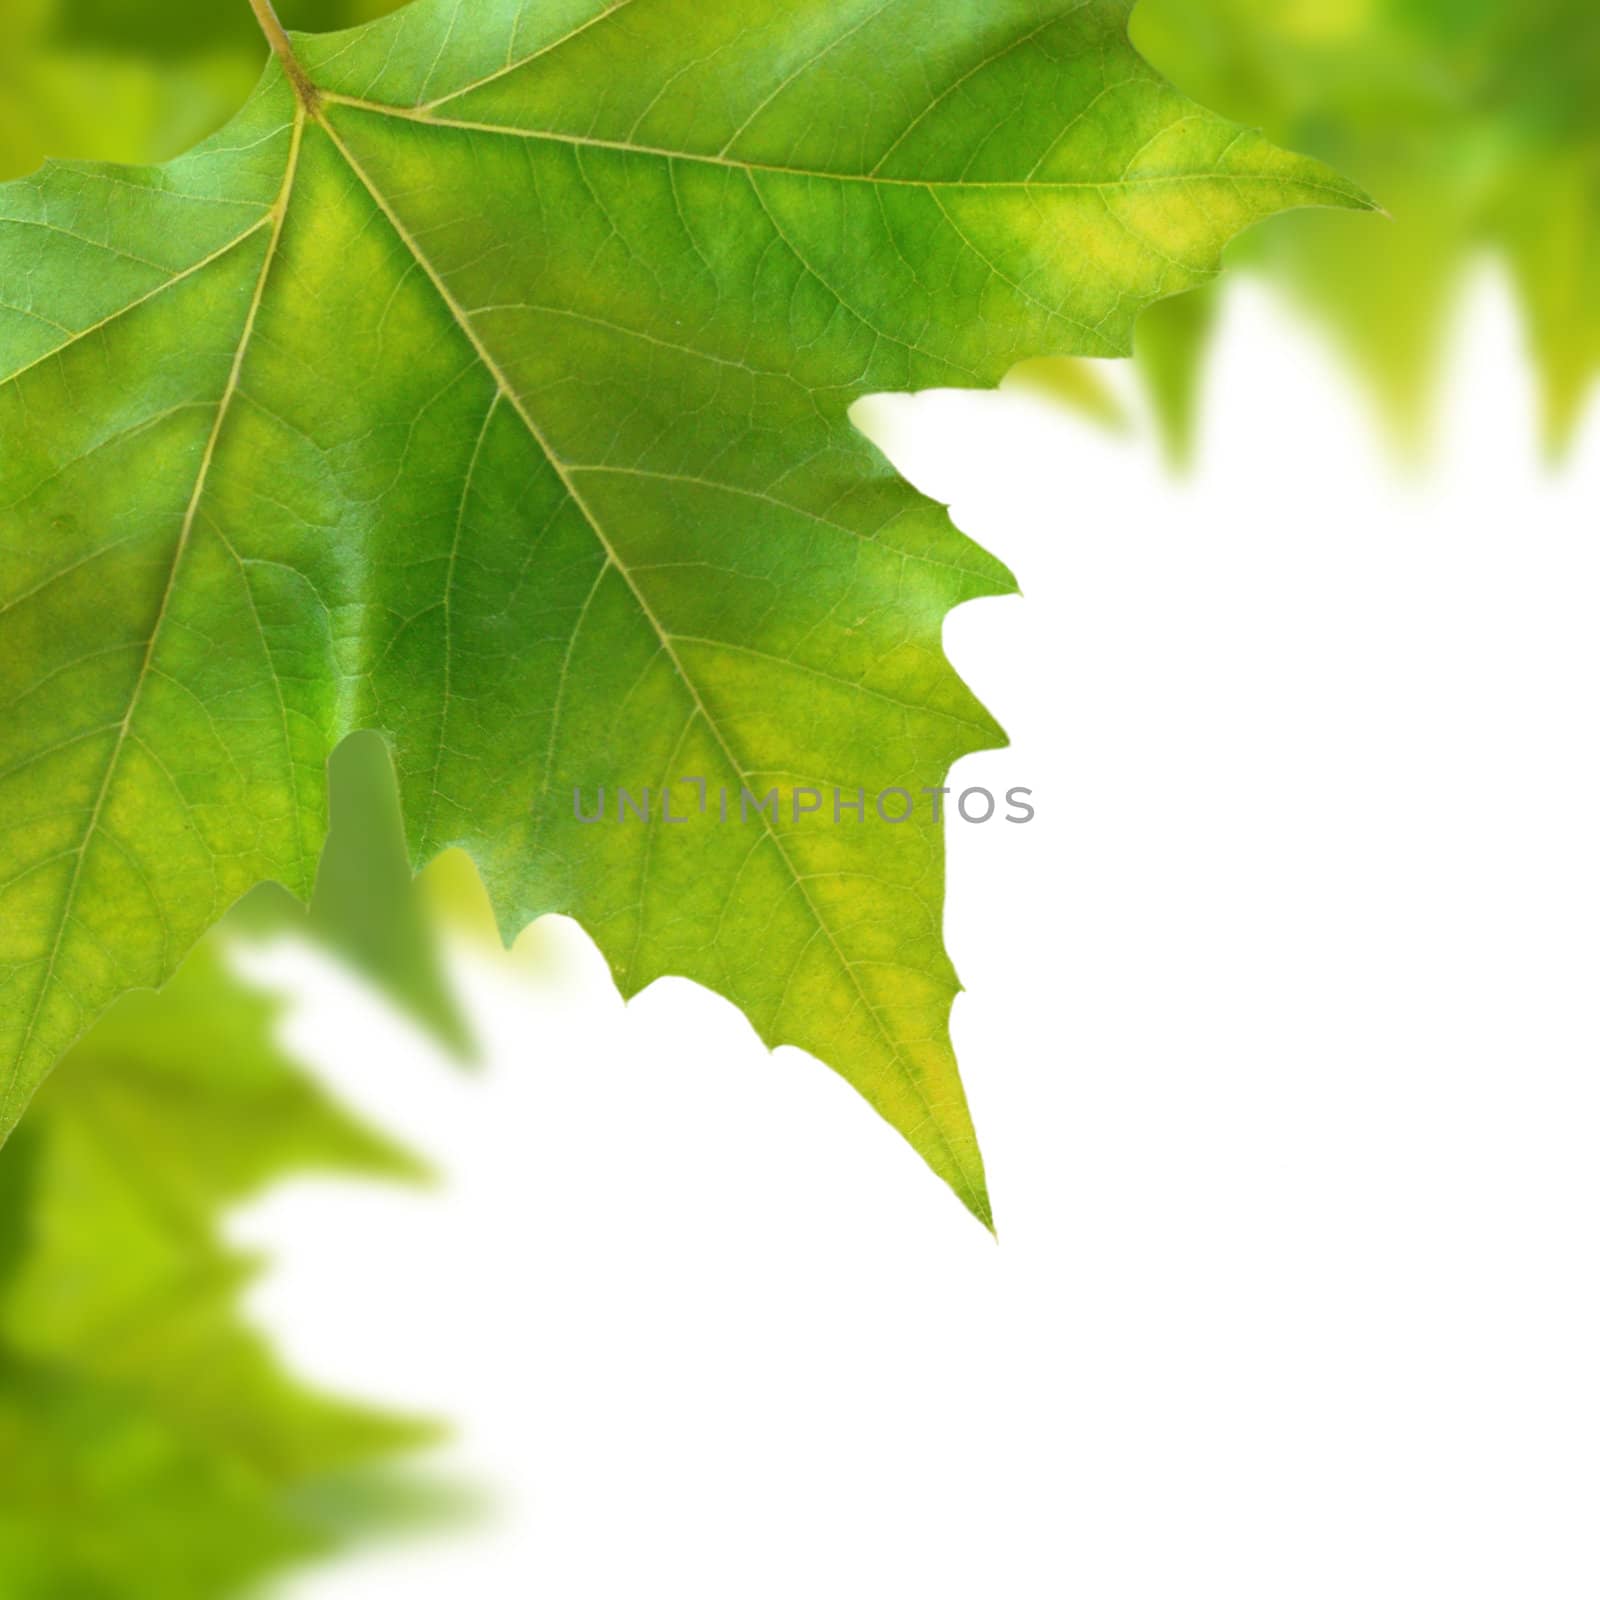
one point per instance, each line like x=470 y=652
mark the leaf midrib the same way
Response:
x=425 y=118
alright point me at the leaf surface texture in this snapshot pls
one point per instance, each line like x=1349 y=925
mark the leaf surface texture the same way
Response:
x=496 y=396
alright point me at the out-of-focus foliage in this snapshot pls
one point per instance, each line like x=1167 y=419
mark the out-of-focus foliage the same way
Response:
x=1476 y=122
x=175 y=29
x=101 y=104
x=1170 y=345
x=151 y=1448
x=367 y=908
x=134 y=80
x=1076 y=384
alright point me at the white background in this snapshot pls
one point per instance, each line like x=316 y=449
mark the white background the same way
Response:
x=1281 y=1038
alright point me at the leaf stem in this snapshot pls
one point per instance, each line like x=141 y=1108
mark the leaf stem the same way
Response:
x=279 y=40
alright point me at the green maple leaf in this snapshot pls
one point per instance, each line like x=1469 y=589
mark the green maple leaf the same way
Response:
x=486 y=382
x=1477 y=121
x=151 y=1448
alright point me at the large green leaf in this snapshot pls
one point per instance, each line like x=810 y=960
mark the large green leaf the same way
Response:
x=493 y=393
x=151 y=1448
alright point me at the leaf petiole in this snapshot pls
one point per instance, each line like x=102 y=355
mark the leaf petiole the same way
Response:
x=278 y=38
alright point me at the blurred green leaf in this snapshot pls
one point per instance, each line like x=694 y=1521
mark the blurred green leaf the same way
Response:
x=1476 y=122
x=151 y=1447
x=100 y=102
x=368 y=909
x=177 y=29
x=133 y=80
x=1169 y=345
x=366 y=906
x=1076 y=384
